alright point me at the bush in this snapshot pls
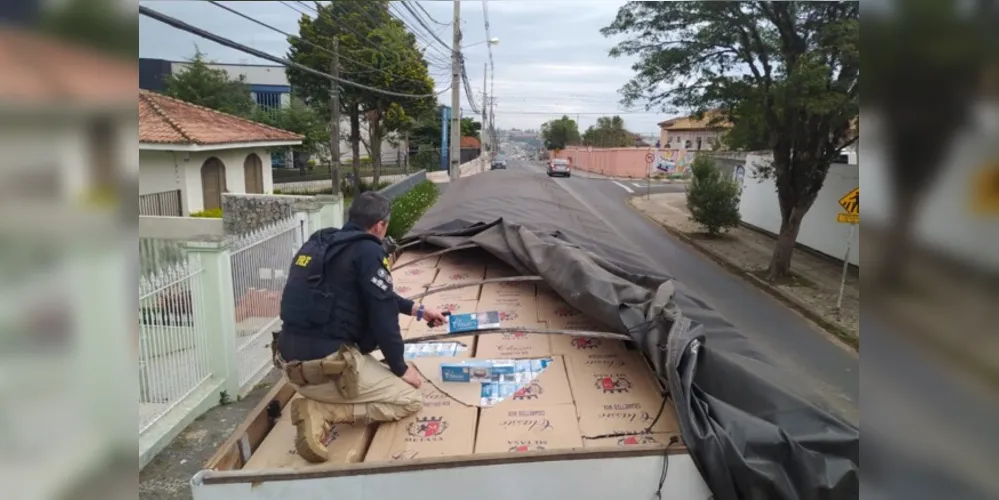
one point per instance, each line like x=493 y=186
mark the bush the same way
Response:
x=408 y=208
x=214 y=213
x=713 y=199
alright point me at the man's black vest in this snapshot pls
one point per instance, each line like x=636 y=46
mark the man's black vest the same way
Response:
x=321 y=305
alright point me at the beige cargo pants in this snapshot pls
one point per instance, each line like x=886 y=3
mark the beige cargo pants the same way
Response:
x=381 y=395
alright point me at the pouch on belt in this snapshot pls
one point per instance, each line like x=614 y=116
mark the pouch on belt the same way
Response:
x=341 y=368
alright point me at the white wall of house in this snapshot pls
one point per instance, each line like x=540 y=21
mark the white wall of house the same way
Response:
x=819 y=229
x=169 y=170
x=260 y=75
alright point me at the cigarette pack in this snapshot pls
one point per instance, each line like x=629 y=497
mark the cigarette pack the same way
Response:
x=476 y=370
x=473 y=322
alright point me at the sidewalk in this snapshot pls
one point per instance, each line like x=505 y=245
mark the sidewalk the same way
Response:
x=812 y=290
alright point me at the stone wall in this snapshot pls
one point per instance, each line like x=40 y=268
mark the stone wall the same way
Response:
x=242 y=213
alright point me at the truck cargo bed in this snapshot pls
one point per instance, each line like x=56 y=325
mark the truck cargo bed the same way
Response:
x=579 y=425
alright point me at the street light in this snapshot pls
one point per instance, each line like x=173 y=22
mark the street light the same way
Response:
x=491 y=41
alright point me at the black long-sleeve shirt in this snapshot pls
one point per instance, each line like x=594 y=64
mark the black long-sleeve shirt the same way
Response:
x=382 y=304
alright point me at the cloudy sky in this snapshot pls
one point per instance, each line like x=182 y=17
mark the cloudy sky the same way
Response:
x=551 y=58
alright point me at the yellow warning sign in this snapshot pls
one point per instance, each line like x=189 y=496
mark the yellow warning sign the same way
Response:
x=851 y=202
x=848 y=218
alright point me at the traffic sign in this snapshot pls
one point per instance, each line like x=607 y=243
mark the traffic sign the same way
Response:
x=851 y=202
x=649 y=158
x=848 y=218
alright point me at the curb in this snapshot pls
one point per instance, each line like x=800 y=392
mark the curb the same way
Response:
x=832 y=328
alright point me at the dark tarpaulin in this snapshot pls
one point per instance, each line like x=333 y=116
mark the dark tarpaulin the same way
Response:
x=748 y=429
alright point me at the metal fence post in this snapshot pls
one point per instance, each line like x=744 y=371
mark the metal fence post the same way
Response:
x=218 y=308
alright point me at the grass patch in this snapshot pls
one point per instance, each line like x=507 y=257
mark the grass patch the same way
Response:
x=793 y=280
x=408 y=208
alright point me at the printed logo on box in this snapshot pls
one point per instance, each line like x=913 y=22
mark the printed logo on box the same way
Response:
x=636 y=440
x=513 y=335
x=459 y=276
x=452 y=307
x=613 y=384
x=565 y=312
x=508 y=315
x=414 y=271
x=585 y=343
x=426 y=428
x=521 y=448
x=402 y=289
x=530 y=391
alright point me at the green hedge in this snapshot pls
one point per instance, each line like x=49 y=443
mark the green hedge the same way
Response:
x=408 y=208
x=214 y=213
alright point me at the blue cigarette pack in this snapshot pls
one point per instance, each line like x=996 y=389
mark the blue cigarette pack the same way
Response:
x=476 y=370
x=473 y=322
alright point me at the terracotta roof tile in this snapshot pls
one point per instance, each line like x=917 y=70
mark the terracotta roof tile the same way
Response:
x=690 y=123
x=165 y=120
x=470 y=142
x=40 y=70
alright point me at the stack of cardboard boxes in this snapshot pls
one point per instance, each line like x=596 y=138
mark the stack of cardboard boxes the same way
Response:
x=593 y=393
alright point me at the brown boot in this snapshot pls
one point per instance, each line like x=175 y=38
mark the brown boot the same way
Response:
x=314 y=422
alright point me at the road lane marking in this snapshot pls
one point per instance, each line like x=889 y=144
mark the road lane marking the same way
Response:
x=637 y=185
x=626 y=188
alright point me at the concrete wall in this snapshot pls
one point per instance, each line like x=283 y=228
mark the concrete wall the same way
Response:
x=624 y=162
x=819 y=229
x=402 y=186
x=178 y=228
x=260 y=75
x=169 y=170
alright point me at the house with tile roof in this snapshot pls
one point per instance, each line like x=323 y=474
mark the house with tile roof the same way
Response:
x=690 y=133
x=190 y=155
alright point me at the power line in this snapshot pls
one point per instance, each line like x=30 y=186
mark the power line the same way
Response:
x=418 y=6
x=176 y=23
x=420 y=20
x=429 y=43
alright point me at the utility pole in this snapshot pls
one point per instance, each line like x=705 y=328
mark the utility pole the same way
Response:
x=455 y=165
x=485 y=109
x=335 y=117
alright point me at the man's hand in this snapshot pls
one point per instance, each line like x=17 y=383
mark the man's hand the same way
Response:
x=434 y=317
x=412 y=377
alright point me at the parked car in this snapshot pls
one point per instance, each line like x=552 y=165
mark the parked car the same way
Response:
x=498 y=163
x=558 y=166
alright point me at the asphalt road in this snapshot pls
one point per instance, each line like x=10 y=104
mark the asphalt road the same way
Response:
x=829 y=370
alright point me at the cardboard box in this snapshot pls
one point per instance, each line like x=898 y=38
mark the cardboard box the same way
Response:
x=510 y=314
x=414 y=275
x=463 y=293
x=464 y=258
x=346 y=444
x=517 y=345
x=498 y=302
x=443 y=428
x=412 y=255
x=566 y=345
x=452 y=275
x=509 y=288
x=623 y=441
x=408 y=289
x=499 y=270
x=547 y=302
x=616 y=393
x=450 y=305
x=515 y=430
x=404 y=321
x=551 y=387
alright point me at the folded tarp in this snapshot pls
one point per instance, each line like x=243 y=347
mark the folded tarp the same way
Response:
x=750 y=433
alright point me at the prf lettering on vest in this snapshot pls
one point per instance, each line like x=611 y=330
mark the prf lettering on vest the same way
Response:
x=303 y=260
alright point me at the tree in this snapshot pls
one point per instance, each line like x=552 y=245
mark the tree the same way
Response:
x=96 y=23
x=609 y=132
x=799 y=61
x=559 y=133
x=928 y=60
x=374 y=51
x=212 y=88
x=470 y=128
x=299 y=118
x=712 y=198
